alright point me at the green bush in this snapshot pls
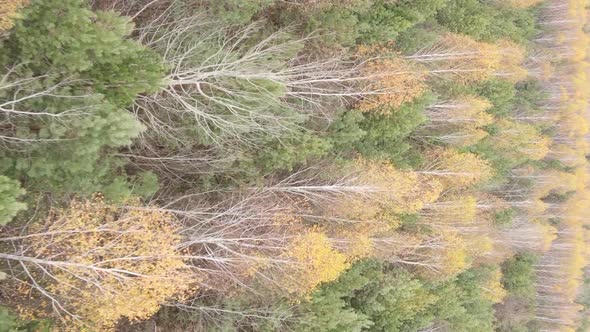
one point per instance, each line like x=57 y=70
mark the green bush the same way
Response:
x=530 y=94
x=286 y=153
x=503 y=218
x=233 y=11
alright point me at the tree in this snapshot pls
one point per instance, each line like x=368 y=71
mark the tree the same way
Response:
x=10 y=191
x=385 y=20
x=396 y=303
x=330 y=308
x=455 y=169
x=65 y=85
x=400 y=81
x=92 y=263
x=478 y=311
x=386 y=135
x=468 y=110
x=115 y=66
x=10 y=11
x=485 y=21
x=500 y=93
x=229 y=87
x=519 y=142
x=493 y=289
x=314 y=262
x=375 y=296
x=346 y=23
x=518 y=275
x=468 y=60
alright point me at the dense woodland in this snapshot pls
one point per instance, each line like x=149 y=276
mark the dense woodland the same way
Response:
x=301 y=165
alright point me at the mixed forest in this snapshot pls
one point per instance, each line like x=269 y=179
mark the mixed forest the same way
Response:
x=295 y=165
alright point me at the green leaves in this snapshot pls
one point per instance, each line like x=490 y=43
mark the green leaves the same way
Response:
x=82 y=71
x=10 y=191
x=374 y=296
x=519 y=275
x=487 y=22
x=68 y=39
x=386 y=135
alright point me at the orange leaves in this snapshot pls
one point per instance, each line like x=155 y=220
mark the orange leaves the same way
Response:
x=394 y=81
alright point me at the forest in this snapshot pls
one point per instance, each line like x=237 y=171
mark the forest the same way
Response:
x=295 y=165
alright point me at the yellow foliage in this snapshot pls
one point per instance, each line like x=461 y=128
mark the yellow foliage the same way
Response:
x=468 y=60
x=470 y=110
x=466 y=137
x=479 y=246
x=9 y=11
x=458 y=170
x=314 y=262
x=359 y=246
x=120 y=262
x=394 y=81
x=493 y=289
x=548 y=235
x=520 y=140
x=448 y=258
x=453 y=258
x=398 y=191
x=455 y=209
x=512 y=58
x=521 y=3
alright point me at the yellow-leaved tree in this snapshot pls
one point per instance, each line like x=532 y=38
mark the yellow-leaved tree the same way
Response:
x=93 y=263
x=455 y=169
x=520 y=141
x=493 y=289
x=313 y=261
x=393 y=80
x=9 y=11
x=467 y=60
